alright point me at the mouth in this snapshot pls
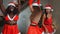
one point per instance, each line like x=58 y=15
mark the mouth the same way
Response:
x=12 y=9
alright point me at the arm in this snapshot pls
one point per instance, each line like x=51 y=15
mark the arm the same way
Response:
x=43 y=23
x=19 y=6
x=30 y=5
x=2 y=6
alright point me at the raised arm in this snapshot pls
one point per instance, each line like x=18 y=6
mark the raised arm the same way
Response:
x=19 y=5
x=30 y=5
x=2 y=6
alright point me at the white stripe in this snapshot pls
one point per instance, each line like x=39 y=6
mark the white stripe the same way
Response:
x=42 y=32
x=11 y=18
x=35 y=4
x=19 y=33
x=11 y=4
x=47 y=7
x=40 y=4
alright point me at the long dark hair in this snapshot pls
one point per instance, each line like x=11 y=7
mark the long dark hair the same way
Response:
x=8 y=11
x=40 y=21
x=45 y=13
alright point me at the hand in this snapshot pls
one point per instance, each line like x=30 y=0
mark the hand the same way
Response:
x=46 y=31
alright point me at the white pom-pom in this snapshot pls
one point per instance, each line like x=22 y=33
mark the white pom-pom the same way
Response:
x=52 y=10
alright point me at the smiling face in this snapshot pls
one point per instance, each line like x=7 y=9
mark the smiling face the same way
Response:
x=48 y=10
x=11 y=9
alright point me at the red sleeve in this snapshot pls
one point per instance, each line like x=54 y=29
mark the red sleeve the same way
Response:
x=16 y=18
x=38 y=1
x=30 y=2
x=6 y=18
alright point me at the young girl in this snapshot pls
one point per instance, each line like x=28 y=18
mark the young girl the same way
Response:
x=47 y=20
x=34 y=18
x=11 y=17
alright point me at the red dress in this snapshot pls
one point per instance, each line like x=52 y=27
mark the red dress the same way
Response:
x=10 y=29
x=34 y=29
x=48 y=24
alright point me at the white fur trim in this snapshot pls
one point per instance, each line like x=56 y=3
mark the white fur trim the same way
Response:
x=47 y=7
x=52 y=10
x=11 y=18
x=35 y=4
x=11 y=4
x=40 y=4
x=19 y=33
x=42 y=32
x=54 y=31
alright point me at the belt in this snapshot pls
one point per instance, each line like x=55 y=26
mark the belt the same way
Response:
x=32 y=25
x=11 y=24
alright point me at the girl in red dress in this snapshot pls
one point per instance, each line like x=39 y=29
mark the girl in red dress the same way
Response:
x=34 y=18
x=11 y=17
x=47 y=20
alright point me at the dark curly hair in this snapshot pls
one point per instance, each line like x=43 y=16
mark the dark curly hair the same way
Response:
x=8 y=11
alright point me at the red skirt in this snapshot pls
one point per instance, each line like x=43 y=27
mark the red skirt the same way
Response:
x=50 y=29
x=34 y=30
x=10 y=29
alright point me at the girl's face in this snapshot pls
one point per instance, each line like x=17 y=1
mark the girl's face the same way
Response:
x=11 y=8
x=48 y=10
x=36 y=8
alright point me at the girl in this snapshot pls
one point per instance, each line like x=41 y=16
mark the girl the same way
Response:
x=34 y=18
x=47 y=20
x=11 y=17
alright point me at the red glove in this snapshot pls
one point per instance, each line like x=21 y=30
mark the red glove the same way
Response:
x=38 y=1
x=30 y=2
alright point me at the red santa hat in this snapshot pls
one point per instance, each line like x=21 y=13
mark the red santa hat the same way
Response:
x=49 y=7
x=39 y=2
x=12 y=4
x=35 y=4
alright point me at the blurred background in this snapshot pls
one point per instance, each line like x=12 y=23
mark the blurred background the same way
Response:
x=24 y=21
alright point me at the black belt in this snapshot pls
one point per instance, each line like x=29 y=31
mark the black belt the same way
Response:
x=11 y=24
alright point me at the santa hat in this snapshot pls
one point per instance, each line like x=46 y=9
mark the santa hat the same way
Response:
x=35 y=4
x=39 y=2
x=49 y=7
x=12 y=4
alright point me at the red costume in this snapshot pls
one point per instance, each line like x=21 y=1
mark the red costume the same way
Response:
x=48 y=21
x=10 y=26
x=34 y=28
x=48 y=24
x=10 y=29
